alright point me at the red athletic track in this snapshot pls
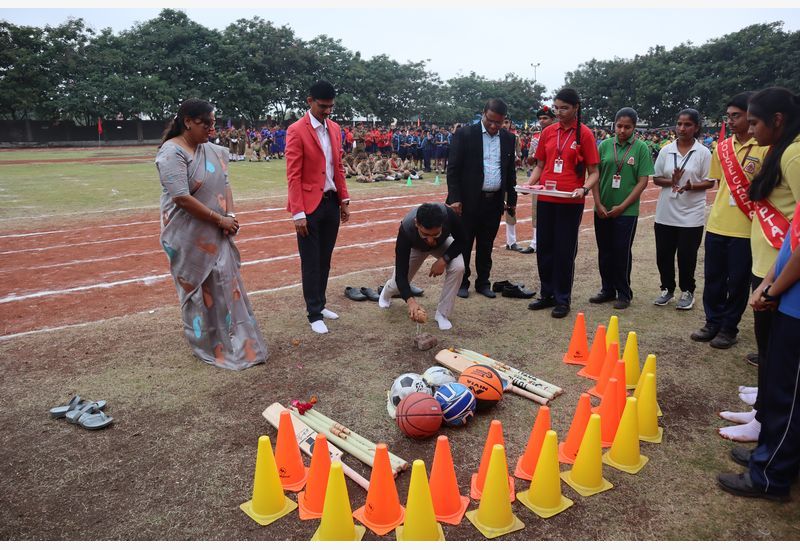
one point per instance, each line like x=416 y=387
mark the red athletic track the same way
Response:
x=123 y=250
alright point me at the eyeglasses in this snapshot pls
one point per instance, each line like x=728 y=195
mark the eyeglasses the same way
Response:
x=426 y=236
x=732 y=117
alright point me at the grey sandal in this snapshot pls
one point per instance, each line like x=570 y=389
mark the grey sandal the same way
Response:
x=74 y=403
x=95 y=421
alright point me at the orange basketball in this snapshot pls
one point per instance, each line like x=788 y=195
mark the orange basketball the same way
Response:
x=419 y=415
x=485 y=383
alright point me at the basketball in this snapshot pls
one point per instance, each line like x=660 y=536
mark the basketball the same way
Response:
x=485 y=383
x=457 y=402
x=419 y=415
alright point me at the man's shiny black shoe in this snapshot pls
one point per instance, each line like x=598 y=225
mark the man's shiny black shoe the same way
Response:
x=723 y=340
x=463 y=292
x=704 y=334
x=529 y=250
x=742 y=486
x=602 y=298
x=542 y=303
x=486 y=291
x=517 y=291
x=741 y=456
x=560 y=311
x=515 y=247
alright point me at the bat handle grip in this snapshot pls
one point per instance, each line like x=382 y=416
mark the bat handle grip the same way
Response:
x=355 y=476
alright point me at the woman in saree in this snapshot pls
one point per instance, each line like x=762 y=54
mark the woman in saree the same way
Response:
x=197 y=229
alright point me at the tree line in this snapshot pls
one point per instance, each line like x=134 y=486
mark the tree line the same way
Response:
x=253 y=69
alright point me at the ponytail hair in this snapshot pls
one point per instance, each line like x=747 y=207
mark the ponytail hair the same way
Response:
x=570 y=95
x=764 y=105
x=193 y=108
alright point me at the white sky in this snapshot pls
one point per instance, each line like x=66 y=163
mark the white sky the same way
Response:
x=457 y=37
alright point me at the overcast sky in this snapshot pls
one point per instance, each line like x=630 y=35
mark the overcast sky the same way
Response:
x=457 y=37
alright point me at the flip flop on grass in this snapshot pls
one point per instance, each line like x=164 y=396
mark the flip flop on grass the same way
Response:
x=74 y=403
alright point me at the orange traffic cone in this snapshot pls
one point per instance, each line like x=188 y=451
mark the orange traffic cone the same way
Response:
x=382 y=512
x=526 y=464
x=608 y=369
x=495 y=437
x=597 y=356
x=448 y=504
x=578 y=352
x=287 y=456
x=568 y=449
x=649 y=367
x=312 y=499
x=620 y=393
x=609 y=415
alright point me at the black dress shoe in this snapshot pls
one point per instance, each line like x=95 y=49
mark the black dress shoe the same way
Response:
x=560 y=311
x=602 y=297
x=723 y=340
x=515 y=247
x=741 y=456
x=752 y=359
x=622 y=304
x=416 y=291
x=371 y=295
x=742 y=486
x=542 y=303
x=517 y=291
x=529 y=250
x=498 y=286
x=486 y=291
x=704 y=334
x=463 y=292
x=354 y=294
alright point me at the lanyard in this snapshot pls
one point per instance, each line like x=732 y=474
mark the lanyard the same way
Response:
x=624 y=155
x=560 y=149
x=685 y=159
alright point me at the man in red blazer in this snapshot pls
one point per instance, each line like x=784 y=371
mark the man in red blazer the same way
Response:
x=318 y=197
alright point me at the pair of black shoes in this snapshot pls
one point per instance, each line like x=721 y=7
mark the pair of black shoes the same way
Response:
x=463 y=292
x=510 y=289
x=517 y=248
x=361 y=294
x=603 y=297
x=715 y=337
x=559 y=310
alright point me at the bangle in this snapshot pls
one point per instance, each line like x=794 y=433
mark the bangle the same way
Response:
x=688 y=185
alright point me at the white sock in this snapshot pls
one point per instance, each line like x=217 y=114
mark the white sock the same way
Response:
x=744 y=433
x=738 y=417
x=319 y=327
x=444 y=323
x=748 y=398
x=328 y=314
x=748 y=389
x=384 y=300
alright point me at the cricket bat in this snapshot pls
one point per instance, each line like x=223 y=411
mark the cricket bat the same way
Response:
x=305 y=440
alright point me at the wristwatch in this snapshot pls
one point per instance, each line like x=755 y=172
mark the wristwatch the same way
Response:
x=766 y=296
x=346 y=201
x=585 y=191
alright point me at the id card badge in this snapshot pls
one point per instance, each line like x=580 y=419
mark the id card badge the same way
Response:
x=558 y=166
x=616 y=181
x=674 y=194
x=731 y=201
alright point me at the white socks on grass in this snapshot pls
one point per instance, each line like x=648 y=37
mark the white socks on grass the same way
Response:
x=738 y=417
x=443 y=322
x=328 y=314
x=319 y=327
x=748 y=398
x=743 y=433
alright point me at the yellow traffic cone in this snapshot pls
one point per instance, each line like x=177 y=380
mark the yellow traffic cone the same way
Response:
x=649 y=367
x=494 y=517
x=544 y=497
x=649 y=430
x=631 y=357
x=586 y=476
x=337 y=519
x=420 y=522
x=624 y=453
x=612 y=334
x=268 y=503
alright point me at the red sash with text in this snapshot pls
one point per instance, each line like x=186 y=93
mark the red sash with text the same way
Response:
x=773 y=223
x=794 y=236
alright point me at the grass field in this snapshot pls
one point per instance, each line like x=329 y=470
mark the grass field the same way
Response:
x=179 y=458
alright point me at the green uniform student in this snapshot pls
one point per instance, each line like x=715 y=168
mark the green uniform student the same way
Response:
x=625 y=165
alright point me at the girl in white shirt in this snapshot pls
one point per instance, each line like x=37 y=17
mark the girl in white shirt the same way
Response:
x=681 y=171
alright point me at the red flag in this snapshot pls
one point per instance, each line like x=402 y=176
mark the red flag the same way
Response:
x=99 y=126
x=722 y=131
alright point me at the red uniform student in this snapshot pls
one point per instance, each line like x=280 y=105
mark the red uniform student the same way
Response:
x=567 y=160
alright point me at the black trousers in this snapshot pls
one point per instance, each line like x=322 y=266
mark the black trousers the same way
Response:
x=481 y=222
x=557 y=226
x=685 y=241
x=614 y=238
x=776 y=460
x=762 y=326
x=727 y=281
x=315 y=253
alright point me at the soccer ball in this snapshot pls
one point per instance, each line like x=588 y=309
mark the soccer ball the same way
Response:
x=438 y=376
x=402 y=386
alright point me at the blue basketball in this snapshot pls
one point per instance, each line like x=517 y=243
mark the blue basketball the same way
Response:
x=458 y=403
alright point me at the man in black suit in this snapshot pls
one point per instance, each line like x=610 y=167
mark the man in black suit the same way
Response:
x=480 y=185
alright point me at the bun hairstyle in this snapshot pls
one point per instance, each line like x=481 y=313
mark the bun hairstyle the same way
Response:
x=764 y=105
x=693 y=114
x=192 y=108
x=570 y=95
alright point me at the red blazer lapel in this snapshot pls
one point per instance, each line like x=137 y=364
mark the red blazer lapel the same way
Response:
x=313 y=133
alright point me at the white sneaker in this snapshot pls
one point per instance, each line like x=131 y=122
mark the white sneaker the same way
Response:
x=328 y=314
x=384 y=301
x=444 y=323
x=319 y=327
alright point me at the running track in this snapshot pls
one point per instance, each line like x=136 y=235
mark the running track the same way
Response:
x=61 y=276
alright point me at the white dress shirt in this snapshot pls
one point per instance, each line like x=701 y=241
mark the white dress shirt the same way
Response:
x=321 y=128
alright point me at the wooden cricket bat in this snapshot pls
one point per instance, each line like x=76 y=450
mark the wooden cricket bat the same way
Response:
x=458 y=363
x=305 y=440
x=525 y=380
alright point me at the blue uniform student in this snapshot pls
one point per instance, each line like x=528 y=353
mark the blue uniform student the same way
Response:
x=397 y=139
x=428 y=148
x=411 y=145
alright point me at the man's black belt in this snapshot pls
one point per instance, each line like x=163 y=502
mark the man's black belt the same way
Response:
x=489 y=194
x=330 y=195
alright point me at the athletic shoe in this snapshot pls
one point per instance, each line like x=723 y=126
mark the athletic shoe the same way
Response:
x=705 y=334
x=723 y=340
x=665 y=298
x=686 y=301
